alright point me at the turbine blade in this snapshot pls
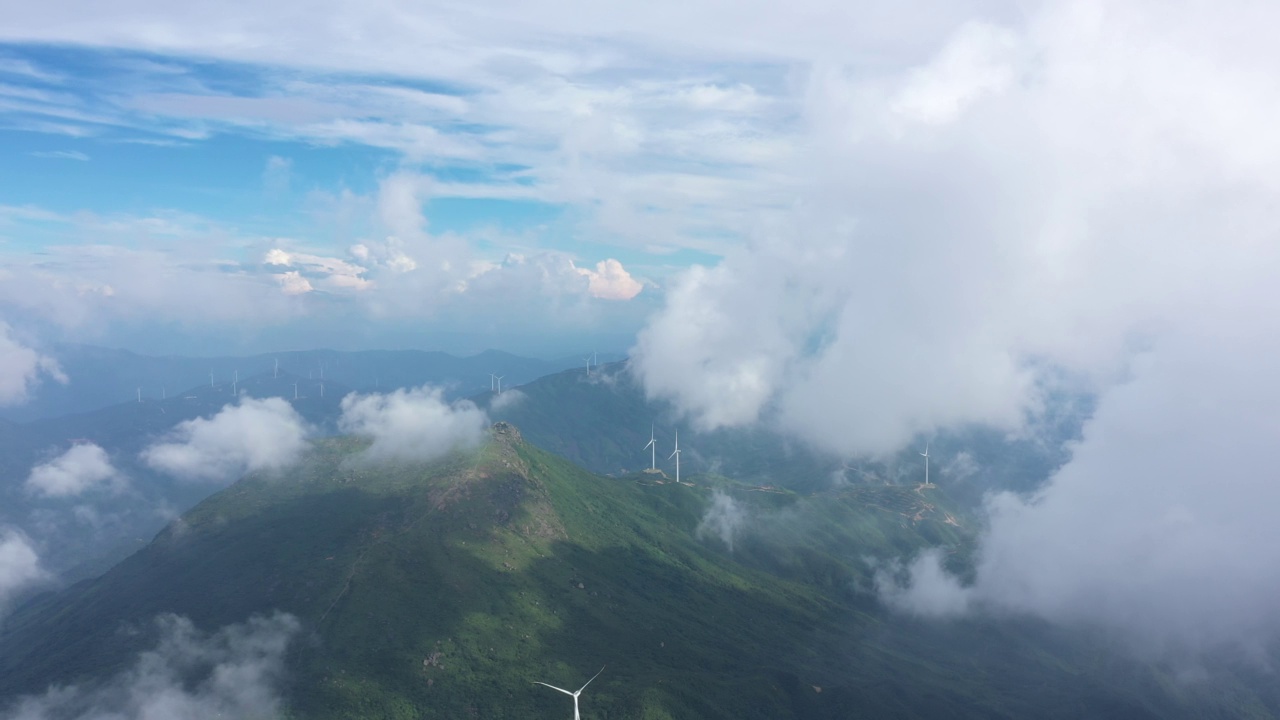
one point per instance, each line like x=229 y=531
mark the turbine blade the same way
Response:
x=553 y=687
x=673 y=453
x=593 y=677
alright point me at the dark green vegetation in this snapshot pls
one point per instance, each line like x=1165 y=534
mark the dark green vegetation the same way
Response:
x=441 y=590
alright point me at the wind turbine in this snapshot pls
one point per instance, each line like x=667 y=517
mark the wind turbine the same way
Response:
x=276 y=373
x=139 y=394
x=652 y=447
x=500 y=383
x=925 y=455
x=676 y=454
x=321 y=388
x=492 y=377
x=210 y=378
x=295 y=391
x=588 y=359
x=235 y=383
x=576 y=715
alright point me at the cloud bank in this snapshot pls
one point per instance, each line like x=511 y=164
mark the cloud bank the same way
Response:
x=80 y=468
x=1081 y=201
x=250 y=436
x=415 y=424
x=235 y=672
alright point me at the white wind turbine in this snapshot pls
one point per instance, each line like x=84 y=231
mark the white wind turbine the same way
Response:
x=276 y=373
x=652 y=447
x=500 y=383
x=925 y=455
x=676 y=454
x=576 y=715
x=492 y=378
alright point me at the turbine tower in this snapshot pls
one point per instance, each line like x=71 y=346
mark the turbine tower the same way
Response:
x=295 y=391
x=210 y=378
x=139 y=394
x=276 y=373
x=925 y=455
x=652 y=447
x=588 y=360
x=676 y=454
x=500 y=383
x=492 y=379
x=576 y=714
x=235 y=384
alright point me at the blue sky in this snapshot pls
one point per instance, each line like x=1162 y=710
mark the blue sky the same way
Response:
x=204 y=164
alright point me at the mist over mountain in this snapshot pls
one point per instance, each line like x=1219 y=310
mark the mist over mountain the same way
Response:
x=447 y=586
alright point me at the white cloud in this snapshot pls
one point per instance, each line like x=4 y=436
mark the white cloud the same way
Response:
x=251 y=436
x=724 y=519
x=292 y=283
x=929 y=591
x=81 y=467
x=21 y=368
x=19 y=564
x=277 y=175
x=414 y=424
x=506 y=399
x=611 y=281
x=330 y=271
x=235 y=672
x=978 y=60
x=1160 y=526
x=62 y=155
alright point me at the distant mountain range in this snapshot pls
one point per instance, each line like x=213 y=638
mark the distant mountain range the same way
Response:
x=100 y=377
x=444 y=589
x=600 y=421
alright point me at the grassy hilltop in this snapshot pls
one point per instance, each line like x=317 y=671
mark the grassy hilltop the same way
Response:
x=443 y=589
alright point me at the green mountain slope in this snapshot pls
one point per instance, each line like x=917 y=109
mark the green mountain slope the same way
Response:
x=444 y=589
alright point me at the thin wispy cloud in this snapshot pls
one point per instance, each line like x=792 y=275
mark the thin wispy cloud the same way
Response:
x=61 y=155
